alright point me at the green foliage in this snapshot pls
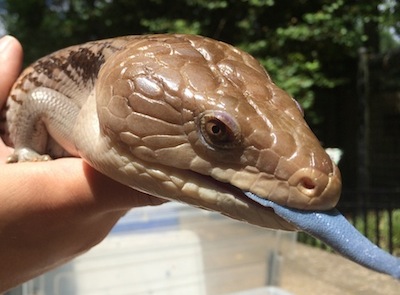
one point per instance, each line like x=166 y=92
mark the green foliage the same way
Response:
x=306 y=46
x=162 y=24
x=327 y=24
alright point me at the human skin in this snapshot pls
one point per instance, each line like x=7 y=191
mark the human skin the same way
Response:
x=52 y=211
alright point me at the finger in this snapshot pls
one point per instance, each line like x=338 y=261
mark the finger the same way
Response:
x=10 y=64
x=70 y=182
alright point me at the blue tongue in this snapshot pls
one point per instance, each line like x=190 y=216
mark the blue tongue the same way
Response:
x=334 y=230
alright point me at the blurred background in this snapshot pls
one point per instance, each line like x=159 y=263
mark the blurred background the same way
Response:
x=339 y=59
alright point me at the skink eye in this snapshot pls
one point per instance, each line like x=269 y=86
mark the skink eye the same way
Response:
x=219 y=129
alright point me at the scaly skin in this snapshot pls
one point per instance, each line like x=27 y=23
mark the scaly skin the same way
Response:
x=176 y=116
x=156 y=95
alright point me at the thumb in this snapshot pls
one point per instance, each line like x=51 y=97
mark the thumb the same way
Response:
x=10 y=65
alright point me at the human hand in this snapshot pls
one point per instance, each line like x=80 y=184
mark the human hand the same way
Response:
x=51 y=211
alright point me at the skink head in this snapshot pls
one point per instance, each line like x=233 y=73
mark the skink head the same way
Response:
x=188 y=108
x=256 y=136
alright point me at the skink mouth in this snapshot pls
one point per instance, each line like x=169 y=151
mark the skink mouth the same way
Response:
x=233 y=202
x=229 y=199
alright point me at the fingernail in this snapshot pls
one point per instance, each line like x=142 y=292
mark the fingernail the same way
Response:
x=5 y=42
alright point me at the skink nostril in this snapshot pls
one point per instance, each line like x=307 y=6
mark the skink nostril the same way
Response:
x=307 y=183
